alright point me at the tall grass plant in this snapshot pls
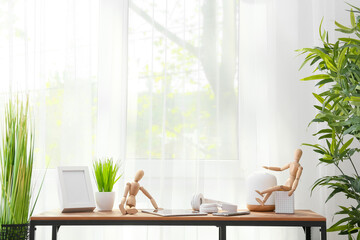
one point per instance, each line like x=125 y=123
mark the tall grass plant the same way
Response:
x=16 y=164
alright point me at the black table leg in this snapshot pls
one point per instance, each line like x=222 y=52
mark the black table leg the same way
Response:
x=32 y=231
x=307 y=233
x=222 y=232
x=323 y=231
x=55 y=230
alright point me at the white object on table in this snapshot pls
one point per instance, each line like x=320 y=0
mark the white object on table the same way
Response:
x=284 y=203
x=210 y=205
x=105 y=201
x=75 y=190
x=260 y=181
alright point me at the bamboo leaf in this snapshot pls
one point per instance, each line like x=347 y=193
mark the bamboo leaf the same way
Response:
x=341 y=59
x=316 y=77
x=342 y=26
x=352 y=18
x=344 y=147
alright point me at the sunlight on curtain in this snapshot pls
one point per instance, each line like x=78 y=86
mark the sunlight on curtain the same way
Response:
x=182 y=103
x=199 y=94
x=49 y=50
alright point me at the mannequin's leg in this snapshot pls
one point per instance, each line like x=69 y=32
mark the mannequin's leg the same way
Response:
x=131 y=210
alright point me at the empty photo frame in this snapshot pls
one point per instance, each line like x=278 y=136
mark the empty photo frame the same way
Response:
x=75 y=190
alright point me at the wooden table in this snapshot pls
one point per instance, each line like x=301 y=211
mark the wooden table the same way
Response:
x=302 y=218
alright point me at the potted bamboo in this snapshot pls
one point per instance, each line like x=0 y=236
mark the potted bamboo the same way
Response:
x=337 y=76
x=105 y=174
x=16 y=168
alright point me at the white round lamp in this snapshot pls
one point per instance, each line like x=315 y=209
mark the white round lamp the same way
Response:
x=260 y=181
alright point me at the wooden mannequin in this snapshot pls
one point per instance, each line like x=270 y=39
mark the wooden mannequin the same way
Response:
x=291 y=184
x=132 y=189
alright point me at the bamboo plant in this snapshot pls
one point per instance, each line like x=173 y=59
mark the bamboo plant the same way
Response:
x=105 y=174
x=337 y=75
x=16 y=164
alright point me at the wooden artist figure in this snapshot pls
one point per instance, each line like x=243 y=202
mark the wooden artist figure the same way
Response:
x=295 y=170
x=132 y=190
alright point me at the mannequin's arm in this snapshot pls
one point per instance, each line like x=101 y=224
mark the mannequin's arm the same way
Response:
x=147 y=194
x=278 y=168
x=296 y=182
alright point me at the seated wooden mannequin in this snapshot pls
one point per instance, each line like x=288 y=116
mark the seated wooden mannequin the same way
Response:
x=295 y=170
x=132 y=189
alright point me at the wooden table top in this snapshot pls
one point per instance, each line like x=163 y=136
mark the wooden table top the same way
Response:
x=300 y=215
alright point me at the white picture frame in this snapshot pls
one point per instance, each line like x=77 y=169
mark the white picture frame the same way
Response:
x=75 y=190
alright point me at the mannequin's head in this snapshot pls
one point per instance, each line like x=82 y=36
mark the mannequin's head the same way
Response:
x=297 y=155
x=139 y=175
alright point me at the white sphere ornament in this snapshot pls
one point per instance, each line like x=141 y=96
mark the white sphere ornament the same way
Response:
x=260 y=181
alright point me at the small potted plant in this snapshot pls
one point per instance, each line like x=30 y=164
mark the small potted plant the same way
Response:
x=105 y=174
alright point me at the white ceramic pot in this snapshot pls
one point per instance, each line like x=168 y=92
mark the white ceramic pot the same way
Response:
x=105 y=200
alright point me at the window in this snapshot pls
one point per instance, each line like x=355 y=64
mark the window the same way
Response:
x=182 y=79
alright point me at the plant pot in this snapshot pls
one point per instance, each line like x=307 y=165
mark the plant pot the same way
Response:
x=105 y=200
x=14 y=231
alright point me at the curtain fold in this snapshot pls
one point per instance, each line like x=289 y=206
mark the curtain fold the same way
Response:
x=198 y=94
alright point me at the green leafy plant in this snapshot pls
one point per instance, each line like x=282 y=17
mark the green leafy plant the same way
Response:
x=337 y=72
x=16 y=165
x=105 y=174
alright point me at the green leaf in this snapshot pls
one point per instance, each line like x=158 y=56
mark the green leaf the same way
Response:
x=352 y=99
x=344 y=147
x=316 y=77
x=318 y=51
x=349 y=40
x=317 y=146
x=16 y=164
x=325 y=136
x=323 y=131
x=352 y=18
x=315 y=60
x=342 y=26
x=322 y=82
x=105 y=174
x=337 y=228
x=320 y=28
x=330 y=65
x=321 y=100
x=353 y=128
x=341 y=58
x=345 y=31
x=332 y=194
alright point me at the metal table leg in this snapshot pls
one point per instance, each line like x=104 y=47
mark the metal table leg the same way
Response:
x=323 y=231
x=307 y=233
x=55 y=230
x=222 y=232
x=32 y=231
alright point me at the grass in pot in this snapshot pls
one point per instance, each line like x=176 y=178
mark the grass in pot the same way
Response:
x=16 y=169
x=105 y=172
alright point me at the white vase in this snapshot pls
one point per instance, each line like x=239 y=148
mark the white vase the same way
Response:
x=105 y=200
x=260 y=181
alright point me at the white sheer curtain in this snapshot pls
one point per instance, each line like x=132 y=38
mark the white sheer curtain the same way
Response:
x=275 y=107
x=199 y=94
